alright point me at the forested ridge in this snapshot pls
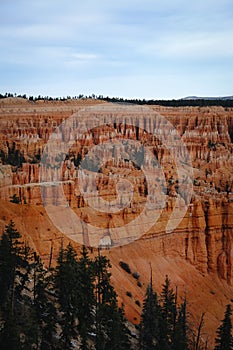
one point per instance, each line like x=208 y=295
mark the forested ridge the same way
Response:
x=192 y=102
x=74 y=306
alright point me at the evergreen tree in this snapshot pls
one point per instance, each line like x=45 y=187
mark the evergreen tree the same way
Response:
x=66 y=288
x=168 y=316
x=111 y=330
x=163 y=324
x=45 y=315
x=122 y=331
x=10 y=260
x=14 y=279
x=224 y=339
x=85 y=297
x=149 y=326
x=180 y=334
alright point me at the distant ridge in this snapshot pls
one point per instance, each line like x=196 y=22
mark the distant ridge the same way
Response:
x=189 y=101
x=224 y=98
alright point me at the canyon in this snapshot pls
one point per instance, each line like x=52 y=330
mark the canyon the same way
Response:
x=82 y=170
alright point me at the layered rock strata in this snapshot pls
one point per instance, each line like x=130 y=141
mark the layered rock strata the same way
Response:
x=203 y=239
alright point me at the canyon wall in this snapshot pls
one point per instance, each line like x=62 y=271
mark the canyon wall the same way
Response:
x=25 y=128
x=37 y=178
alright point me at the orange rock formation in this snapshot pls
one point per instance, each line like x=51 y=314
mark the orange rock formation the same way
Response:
x=197 y=255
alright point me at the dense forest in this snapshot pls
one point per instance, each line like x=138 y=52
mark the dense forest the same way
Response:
x=74 y=306
x=195 y=102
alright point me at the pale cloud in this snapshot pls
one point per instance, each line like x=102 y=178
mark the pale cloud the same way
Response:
x=84 y=56
x=194 y=46
x=43 y=32
x=124 y=48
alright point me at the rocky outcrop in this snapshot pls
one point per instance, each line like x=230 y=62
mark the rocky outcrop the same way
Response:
x=200 y=248
x=204 y=237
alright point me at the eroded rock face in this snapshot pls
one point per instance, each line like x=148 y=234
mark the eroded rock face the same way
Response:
x=205 y=235
x=199 y=251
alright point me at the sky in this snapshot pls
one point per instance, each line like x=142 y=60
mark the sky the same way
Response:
x=126 y=48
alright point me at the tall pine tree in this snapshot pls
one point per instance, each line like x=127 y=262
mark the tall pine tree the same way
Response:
x=149 y=325
x=10 y=261
x=44 y=310
x=110 y=326
x=180 y=339
x=168 y=316
x=14 y=280
x=85 y=297
x=66 y=290
x=224 y=339
x=163 y=323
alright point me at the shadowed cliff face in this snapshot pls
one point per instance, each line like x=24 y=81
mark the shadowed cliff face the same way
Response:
x=201 y=245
